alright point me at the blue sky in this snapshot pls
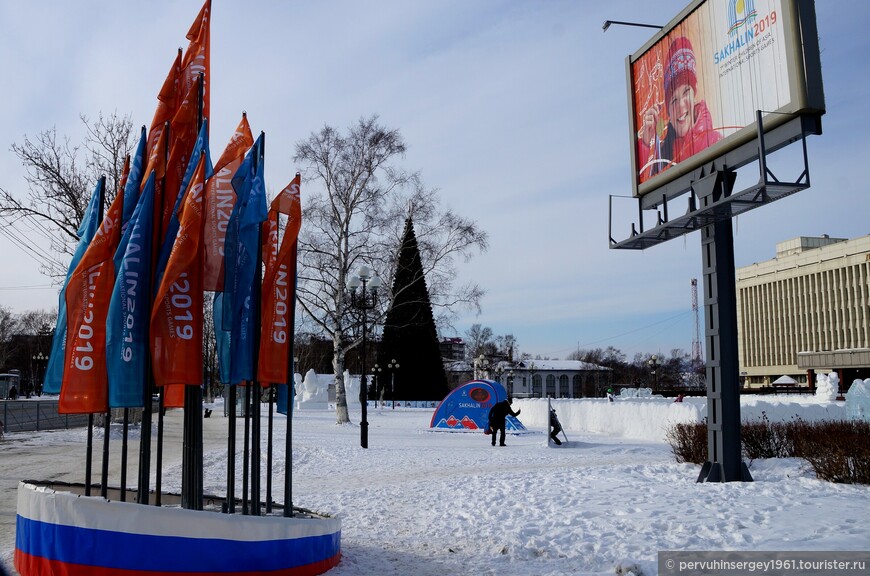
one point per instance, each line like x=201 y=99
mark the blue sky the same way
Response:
x=515 y=110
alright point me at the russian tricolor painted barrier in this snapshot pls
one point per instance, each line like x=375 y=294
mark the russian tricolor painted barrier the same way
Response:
x=61 y=533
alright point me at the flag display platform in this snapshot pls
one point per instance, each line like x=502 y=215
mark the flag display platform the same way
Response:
x=62 y=532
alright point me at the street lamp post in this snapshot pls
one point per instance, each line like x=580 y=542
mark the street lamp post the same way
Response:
x=376 y=373
x=392 y=367
x=39 y=358
x=499 y=370
x=364 y=299
x=510 y=379
x=608 y=23
x=654 y=366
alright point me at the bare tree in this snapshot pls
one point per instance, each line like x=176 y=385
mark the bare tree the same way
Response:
x=356 y=218
x=478 y=340
x=37 y=322
x=59 y=187
x=9 y=324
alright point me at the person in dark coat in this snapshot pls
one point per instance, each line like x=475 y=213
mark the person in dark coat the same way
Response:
x=497 y=416
x=555 y=427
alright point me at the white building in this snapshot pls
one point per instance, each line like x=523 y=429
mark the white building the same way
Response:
x=558 y=379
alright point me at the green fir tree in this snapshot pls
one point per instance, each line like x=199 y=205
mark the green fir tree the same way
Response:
x=409 y=336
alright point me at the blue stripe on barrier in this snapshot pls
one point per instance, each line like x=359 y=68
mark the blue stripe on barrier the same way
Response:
x=144 y=552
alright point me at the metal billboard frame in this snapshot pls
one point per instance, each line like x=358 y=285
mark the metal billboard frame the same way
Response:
x=712 y=203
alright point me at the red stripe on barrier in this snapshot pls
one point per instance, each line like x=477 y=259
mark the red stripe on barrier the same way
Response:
x=28 y=565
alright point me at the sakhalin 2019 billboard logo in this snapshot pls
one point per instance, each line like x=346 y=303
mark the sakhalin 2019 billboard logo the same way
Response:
x=740 y=13
x=741 y=29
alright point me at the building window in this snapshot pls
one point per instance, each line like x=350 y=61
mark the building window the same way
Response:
x=551 y=385
x=536 y=386
x=578 y=386
x=563 y=386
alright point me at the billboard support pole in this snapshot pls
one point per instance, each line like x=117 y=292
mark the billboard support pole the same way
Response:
x=724 y=455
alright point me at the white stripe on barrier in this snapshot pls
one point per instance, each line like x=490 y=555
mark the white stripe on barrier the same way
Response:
x=66 y=509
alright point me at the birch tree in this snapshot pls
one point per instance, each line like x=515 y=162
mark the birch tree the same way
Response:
x=355 y=201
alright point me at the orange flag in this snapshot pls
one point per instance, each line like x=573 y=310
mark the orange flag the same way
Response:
x=85 y=385
x=197 y=58
x=176 y=319
x=279 y=287
x=183 y=132
x=173 y=396
x=167 y=105
x=219 y=201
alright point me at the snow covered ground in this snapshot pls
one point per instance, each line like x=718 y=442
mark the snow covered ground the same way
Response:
x=433 y=503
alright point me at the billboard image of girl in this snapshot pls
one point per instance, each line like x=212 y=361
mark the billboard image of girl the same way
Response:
x=689 y=121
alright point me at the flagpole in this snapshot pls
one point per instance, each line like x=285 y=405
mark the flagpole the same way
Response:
x=124 y=447
x=126 y=421
x=231 y=439
x=104 y=489
x=191 y=473
x=104 y=492
x=246 y=451
x=269 y=450
x=231 y=451
x=89 y=449
x=143 y=495
x=158 y=464
x=256 y=301
x=161 y=390
x=291 y=393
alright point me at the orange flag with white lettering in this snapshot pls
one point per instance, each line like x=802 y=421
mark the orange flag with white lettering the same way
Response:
x=183 y=131
x=167 y=105
x=219 y=201
x=279 y=288
x=85 y=385
x=176 y=318
x=197 y=57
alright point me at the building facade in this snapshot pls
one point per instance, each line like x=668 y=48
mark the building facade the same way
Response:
x=452 y=350
x=558 y=379
x=805 y=311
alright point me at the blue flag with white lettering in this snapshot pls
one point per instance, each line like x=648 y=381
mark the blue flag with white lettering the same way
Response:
x=222 y=338
x=86 y=232
x=134 y=181
x=242 y=250
x=129 y=309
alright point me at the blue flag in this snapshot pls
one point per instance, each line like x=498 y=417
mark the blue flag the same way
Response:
x=134 y=182
x=87 y=230
x=222 y=338
x=242 y=249
x=129 y=309
x=172 y=231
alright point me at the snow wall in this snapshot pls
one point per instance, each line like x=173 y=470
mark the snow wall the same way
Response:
x=650 y=418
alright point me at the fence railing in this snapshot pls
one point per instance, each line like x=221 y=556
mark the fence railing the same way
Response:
x=34 y=415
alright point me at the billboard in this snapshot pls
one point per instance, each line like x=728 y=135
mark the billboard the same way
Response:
x=696 y=86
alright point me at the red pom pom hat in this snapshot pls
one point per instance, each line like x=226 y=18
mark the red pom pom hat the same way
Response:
x=680 y=67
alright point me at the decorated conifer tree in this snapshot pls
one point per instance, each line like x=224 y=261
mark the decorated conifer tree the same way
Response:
x=409 y=335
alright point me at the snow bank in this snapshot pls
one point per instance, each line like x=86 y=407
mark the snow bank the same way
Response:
x=650 y=418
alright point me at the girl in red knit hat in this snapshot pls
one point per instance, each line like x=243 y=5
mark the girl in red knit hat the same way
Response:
x=690 y=125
